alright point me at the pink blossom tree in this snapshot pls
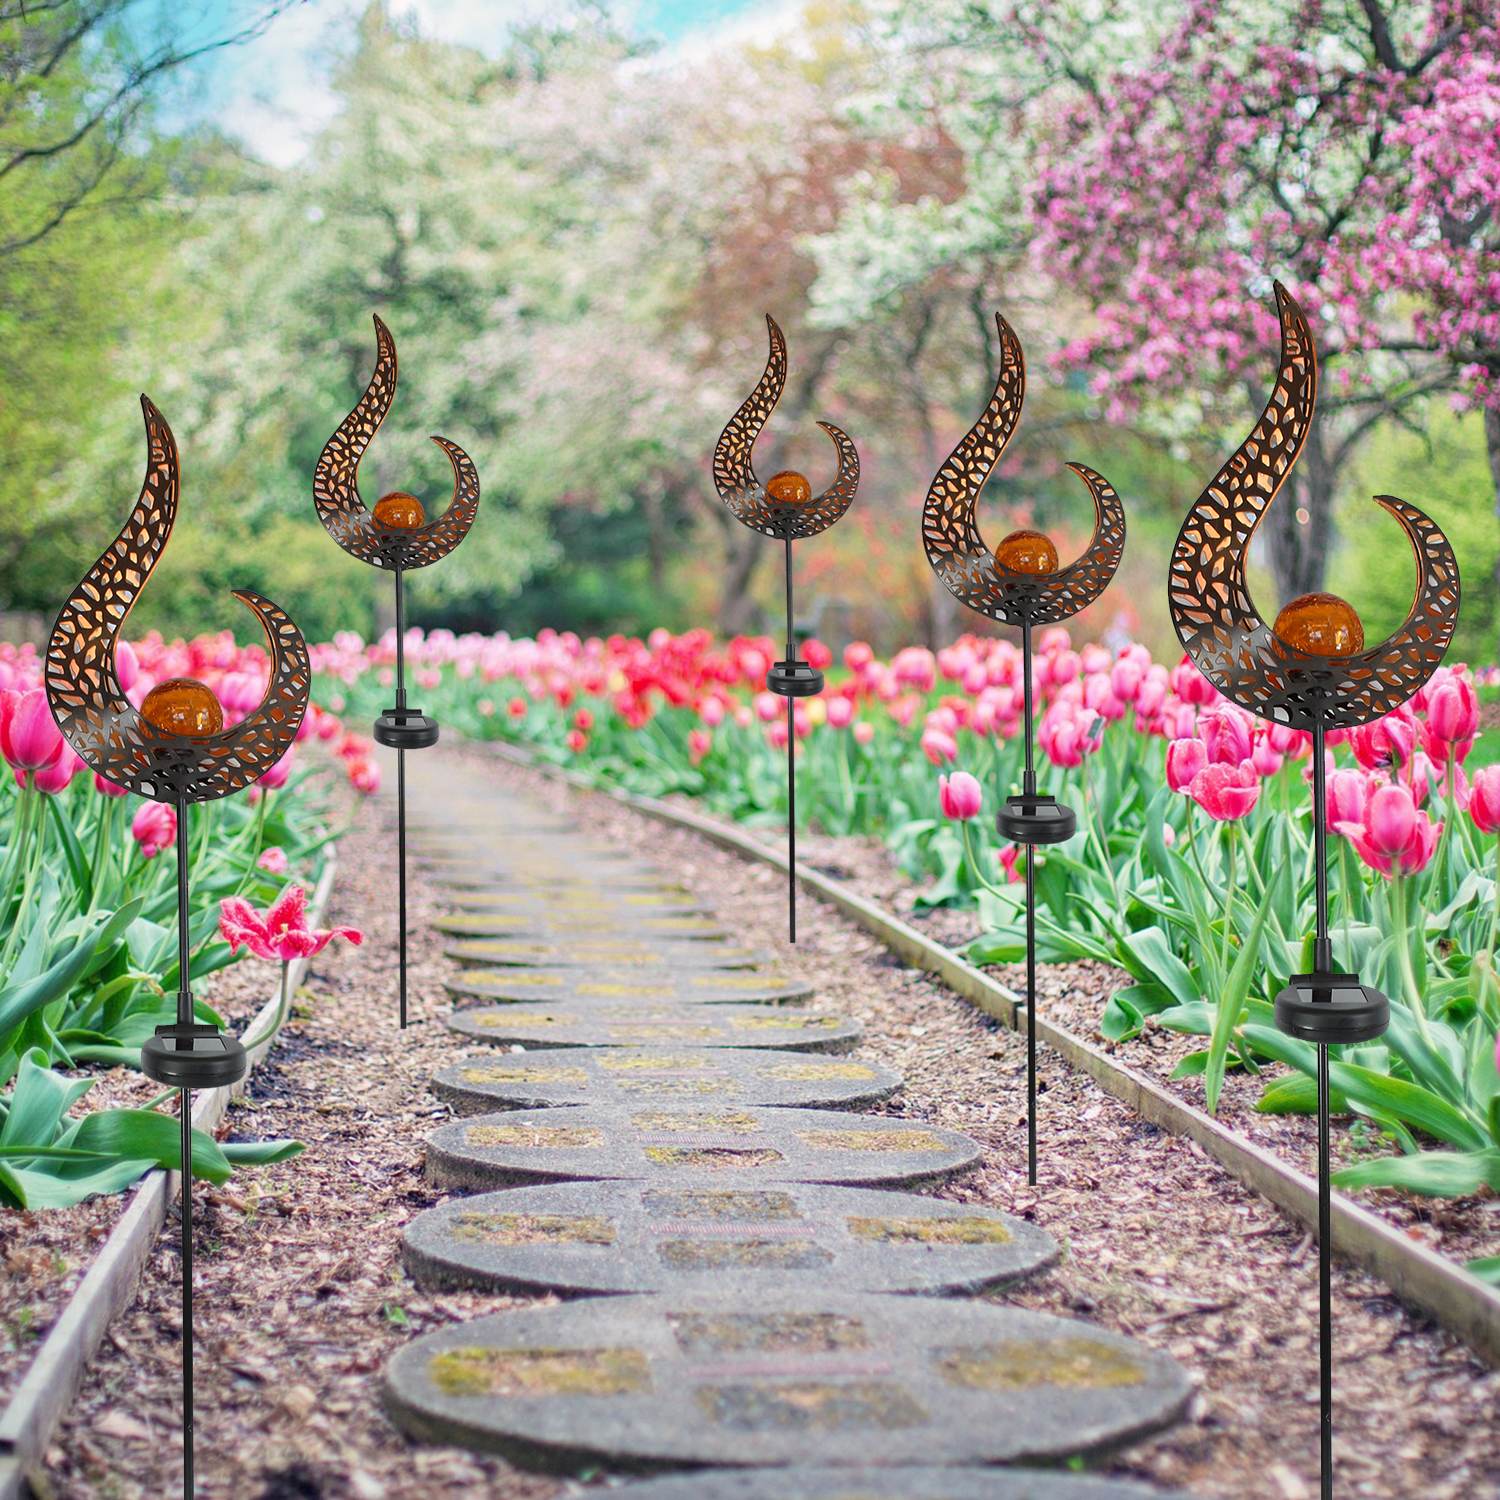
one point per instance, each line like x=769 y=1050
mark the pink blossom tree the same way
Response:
x=1352 y=150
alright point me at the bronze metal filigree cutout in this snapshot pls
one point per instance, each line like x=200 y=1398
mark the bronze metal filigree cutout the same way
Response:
x=958 y=552
x=91 y=708
x=734 y=471
x=336 y=482
x=1215 y=618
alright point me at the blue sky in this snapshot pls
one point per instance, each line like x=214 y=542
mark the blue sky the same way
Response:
x=272 y=93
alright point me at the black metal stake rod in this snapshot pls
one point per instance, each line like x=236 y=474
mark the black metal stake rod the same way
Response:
x=1028 y=788
x=1323 y=962
x=791 y=768
x=401 y=781
x=185 y=1099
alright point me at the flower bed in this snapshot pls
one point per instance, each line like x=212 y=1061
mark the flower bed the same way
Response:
x=1191 y=869
x=88 y=948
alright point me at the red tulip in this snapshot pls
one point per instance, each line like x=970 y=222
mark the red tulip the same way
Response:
x=1225 y=792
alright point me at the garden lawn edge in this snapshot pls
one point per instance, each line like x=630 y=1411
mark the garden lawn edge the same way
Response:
x=109 y=1286
x=1419 y=1276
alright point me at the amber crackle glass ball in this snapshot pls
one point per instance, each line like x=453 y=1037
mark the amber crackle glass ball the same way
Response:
x=789 y=488
x=1321 y=625
x=183 y=706
x=399 y=511
x=1027 y=552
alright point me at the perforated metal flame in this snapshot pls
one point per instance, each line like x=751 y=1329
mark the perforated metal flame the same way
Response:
x=336 y=482
x=958 y=552
x=1215 y=618
x=734 y=472
x=91 y=708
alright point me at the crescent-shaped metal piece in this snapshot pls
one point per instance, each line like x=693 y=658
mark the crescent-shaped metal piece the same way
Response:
x=734 y=472
x=1215 y=618
x=336 y=482
x=83 y=689
x=950 y=532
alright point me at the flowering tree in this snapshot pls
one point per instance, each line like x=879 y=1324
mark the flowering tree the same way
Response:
x=1353 y=151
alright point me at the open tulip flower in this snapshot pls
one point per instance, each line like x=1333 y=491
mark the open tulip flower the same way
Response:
x=281 y=931
x=1225 y=792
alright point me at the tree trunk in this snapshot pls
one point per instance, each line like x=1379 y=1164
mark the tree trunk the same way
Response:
x=739 y=613
x=1299 y=552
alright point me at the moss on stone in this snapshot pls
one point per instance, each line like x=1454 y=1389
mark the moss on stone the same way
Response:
x=712 y=1158
x=477 y=1228
x=477 y=1371
x=914 y=1231
x=543 y=1137
x=1078 y=1362
x=870 y=1140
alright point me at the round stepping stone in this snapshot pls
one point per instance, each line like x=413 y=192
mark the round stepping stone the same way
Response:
x=569 y=986
x=582 y=900
x=550 y=1077
x=890 y=1484
x=600 y=953
x=600 y=1024
x=550 y=877
x=663 y=1381
x=633 y=927
x=585 y=1238
x=723 y=1145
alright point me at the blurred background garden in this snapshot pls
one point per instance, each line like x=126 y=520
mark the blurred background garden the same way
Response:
x=573 y=217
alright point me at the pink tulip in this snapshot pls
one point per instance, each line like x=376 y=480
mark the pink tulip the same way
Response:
x=1391 y=818
x=364 y=775
x=1385 y=742
x=840 y=712
x=1009 y=857
x=127 y=668
x=1126 y=678
x=1226 y=793
x=107 y=788
x=960 y=796
x=700 y=742
x=1395 y=836
x=273 y=859
x=1185 y=758
x=1484 y=799
x=939 y=746
x=29 y=736
x=1452 y=717
x=1265 y=758
x=281 y=931
x=1227 y=733
x=1191 y=685
x=857 y=656
x=711 y=712
x=276 y=776
x=153 y=828
x=55 y=777
x=864 y=732
x=1348 y=791
x=767 y=707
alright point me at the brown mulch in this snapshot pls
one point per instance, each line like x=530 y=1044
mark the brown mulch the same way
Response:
x=300 y=1298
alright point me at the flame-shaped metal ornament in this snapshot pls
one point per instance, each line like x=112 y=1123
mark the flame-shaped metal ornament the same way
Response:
x=129 y=747
x=784 y=508
x=1311 y=671
x=1020 y=584
x=399 y=540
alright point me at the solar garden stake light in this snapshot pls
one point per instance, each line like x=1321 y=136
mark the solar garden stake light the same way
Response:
x=1310 y=670
x=173 y=749
x=397 y=536
x=783 y=507
x=1019 y=583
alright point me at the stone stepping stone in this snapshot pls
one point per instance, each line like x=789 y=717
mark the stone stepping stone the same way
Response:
x=488 y=876
x=587 y=1238
x=560 y=1076
x=634 y=927
x=889 y=1484
x=600 y=1024
x=570 y=986
x=722 y=1145
x=607 y=953
x=582 y=899
x=794 y=1378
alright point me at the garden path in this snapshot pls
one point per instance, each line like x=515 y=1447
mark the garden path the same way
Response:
x=670 y=1100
